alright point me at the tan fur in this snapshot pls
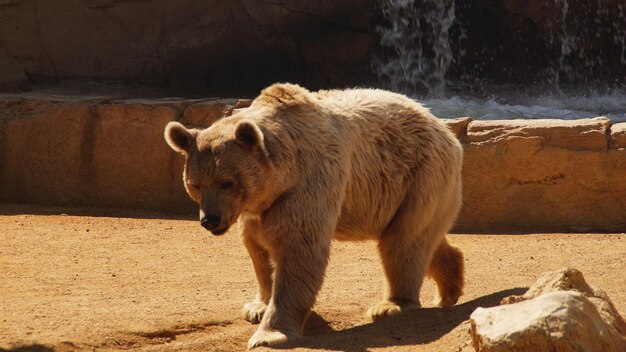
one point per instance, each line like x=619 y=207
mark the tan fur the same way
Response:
x=447 y=269
x=351 y=165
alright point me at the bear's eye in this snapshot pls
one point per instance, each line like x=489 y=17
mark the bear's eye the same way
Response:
x=193 y=185
x=224 y=185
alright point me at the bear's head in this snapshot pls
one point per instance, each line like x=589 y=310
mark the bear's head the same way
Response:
x=227 y=168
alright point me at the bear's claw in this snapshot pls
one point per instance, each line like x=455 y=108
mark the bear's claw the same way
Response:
x=253 y=311
x=388 y=309
x=266 y=338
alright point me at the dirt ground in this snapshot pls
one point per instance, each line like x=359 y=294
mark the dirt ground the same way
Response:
x=82 y=279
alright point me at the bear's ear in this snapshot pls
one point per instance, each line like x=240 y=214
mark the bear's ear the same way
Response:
x=248 y=134
x=179 y=137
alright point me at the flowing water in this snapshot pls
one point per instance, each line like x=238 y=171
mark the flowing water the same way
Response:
x=553 y=106
x=422 y=58
x=418 y=34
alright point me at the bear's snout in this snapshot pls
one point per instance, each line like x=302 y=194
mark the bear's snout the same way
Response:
x=212 y=223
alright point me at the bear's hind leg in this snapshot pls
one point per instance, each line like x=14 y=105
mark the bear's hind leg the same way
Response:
x=402 y=260
x=447 y=269
x=406 y=248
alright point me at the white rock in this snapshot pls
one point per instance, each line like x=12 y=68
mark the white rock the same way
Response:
x=568 y=279
x=559 y=313
x=560 y=321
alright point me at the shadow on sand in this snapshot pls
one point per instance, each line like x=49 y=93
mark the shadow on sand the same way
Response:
x=10 y=209
x=29 y=348
x=419 y=327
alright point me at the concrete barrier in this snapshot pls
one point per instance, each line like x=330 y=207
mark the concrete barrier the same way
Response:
x=519 y=175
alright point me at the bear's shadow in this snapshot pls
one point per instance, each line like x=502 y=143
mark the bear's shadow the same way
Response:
x=414 y=328
x=29 y=348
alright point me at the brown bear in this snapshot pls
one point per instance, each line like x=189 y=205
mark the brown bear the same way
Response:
x=299 y=168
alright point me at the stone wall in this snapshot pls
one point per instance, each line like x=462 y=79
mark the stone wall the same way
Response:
x=548 y=175
x=519 y=175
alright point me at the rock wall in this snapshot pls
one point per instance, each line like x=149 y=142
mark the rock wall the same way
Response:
x=236 y=45
x=519 y=175
x=243 y=45
x=550 y=175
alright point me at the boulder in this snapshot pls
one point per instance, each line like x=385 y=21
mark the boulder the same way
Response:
x=568 y=279
x=559 y=312
x=562 y=321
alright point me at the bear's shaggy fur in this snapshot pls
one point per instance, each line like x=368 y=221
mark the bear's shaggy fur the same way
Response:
x=300 y=168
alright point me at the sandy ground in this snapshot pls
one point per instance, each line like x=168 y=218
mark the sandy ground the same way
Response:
x=135 y=281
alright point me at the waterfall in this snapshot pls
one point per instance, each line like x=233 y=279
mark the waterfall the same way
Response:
x=573 y=35
x=418 y=35
x=577 y=51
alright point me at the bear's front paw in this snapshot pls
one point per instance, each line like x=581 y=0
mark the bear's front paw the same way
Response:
x=253 y=311
x=387 y=309
x=266 y=338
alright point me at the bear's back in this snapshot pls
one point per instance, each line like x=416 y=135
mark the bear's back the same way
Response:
x=394 y=141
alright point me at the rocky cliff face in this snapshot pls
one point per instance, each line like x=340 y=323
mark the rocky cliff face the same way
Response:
x=238 y=46
x=226 y=44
